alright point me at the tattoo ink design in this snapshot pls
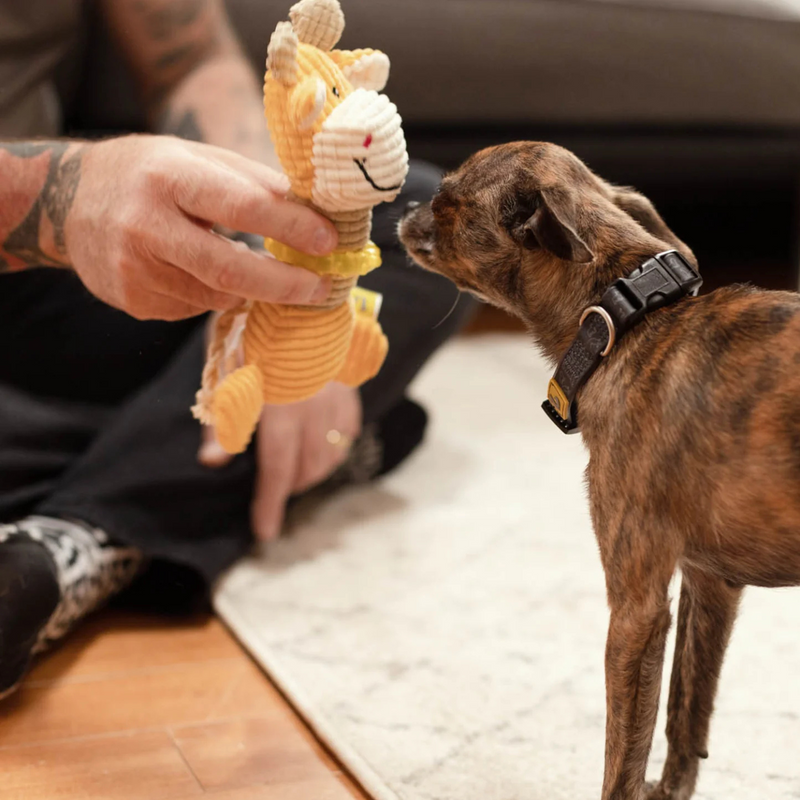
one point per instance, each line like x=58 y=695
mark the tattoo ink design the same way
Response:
x=183 y=43
x=163 y=23
x=178 y=57
x=187 y=127
x=59 y=194
x=22 y=246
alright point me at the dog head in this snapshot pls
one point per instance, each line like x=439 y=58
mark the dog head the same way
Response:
x=529 y=227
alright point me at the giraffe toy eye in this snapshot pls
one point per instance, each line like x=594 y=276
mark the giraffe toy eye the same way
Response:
x=335 y=92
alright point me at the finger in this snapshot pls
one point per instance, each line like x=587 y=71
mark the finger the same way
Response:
x=170 y=281
x=318 y=460
x=233 y=269
x=277 y=468
x=350 y=412
x=162 y=307
x=211 y=454
x=266 y=176
x=223 y=195
x=319 y=457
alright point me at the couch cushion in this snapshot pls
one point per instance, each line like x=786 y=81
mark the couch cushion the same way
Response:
x=678 y=62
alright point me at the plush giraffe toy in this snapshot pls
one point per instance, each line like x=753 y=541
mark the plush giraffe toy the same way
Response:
x=341 y=144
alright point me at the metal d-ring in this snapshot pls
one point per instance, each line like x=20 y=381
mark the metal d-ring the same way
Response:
x=612 y=331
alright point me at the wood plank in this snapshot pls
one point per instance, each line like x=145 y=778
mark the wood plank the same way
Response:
x=91 y=722
x=126 y=767
x=116 y=642
x=146 y=699
x=254 y=695
x=226 y=755
x=330 y=788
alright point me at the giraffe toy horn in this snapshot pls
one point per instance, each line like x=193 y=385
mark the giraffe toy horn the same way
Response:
x=282 y=54
x=318 y=22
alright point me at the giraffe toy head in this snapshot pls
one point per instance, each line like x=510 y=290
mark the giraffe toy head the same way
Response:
x=339 y=140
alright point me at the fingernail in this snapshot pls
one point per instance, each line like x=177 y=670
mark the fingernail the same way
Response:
x=322 y=291
x=324 y=241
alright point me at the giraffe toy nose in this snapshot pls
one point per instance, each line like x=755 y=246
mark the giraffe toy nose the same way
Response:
x=368 y=140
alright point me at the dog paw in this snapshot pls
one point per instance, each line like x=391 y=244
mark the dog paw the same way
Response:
x=655 y=791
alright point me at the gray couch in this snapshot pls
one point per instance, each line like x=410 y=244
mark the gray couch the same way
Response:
x=676 y=84
x=664 y=87
x=661 y=93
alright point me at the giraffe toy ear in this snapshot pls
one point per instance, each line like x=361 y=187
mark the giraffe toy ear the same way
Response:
x=365 y=69
x=282 y=54
x=308 y=102
x=318 y=22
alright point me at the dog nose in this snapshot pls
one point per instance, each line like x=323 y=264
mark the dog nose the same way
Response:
x=411 y=206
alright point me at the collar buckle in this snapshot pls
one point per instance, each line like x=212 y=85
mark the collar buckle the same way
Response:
x=661 y=280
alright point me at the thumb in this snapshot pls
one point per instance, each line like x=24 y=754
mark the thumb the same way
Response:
x=211 y=453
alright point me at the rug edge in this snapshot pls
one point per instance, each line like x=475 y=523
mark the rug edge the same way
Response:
x=358 y=767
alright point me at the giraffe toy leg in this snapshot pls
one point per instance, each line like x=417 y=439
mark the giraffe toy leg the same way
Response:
x=236 y=408
x=367 y=352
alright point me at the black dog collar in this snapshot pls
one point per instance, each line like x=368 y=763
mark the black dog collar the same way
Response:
x=662 y=280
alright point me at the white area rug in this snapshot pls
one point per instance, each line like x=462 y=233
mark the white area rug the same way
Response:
x=443 y=631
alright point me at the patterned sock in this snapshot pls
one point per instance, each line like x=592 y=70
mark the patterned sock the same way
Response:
x=88 y=570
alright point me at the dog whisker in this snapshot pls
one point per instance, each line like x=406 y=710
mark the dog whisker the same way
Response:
x=449 y=313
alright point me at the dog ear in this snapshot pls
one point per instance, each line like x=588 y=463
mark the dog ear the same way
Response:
x=638 y=207
x=552 y=227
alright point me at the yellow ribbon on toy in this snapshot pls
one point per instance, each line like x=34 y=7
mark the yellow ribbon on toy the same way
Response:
x=348 y=264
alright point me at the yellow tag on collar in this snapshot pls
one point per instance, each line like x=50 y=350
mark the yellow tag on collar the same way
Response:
x=348 y=264
x=557 y=398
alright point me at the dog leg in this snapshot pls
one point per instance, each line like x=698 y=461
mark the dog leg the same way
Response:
x=634 y=660
x=705 y=619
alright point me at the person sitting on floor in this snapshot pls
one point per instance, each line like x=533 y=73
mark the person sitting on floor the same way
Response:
x=100 y=480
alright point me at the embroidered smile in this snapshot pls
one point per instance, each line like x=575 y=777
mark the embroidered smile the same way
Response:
x=362 y=167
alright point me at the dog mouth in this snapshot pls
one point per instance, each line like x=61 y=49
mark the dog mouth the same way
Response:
x=361 y=164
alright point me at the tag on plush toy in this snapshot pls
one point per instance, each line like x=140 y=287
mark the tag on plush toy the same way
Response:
x=366 y=303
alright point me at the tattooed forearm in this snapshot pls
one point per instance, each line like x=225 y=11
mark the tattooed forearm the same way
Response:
x=38 y=188
x=163 y=22
x=176 y=37
x=179 y=56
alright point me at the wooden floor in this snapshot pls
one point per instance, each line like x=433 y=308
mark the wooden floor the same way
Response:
x=133 y=708
x=137 y=709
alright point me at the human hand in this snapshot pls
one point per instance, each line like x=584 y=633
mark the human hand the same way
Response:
x=139 y=230
x=293 y=450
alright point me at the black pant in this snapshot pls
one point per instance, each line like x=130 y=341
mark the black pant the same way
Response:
x=94 y=406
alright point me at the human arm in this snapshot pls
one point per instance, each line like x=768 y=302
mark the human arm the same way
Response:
x=133 y=217
x=191 y=73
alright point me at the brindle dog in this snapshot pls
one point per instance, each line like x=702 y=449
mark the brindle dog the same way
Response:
x=692 y=423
